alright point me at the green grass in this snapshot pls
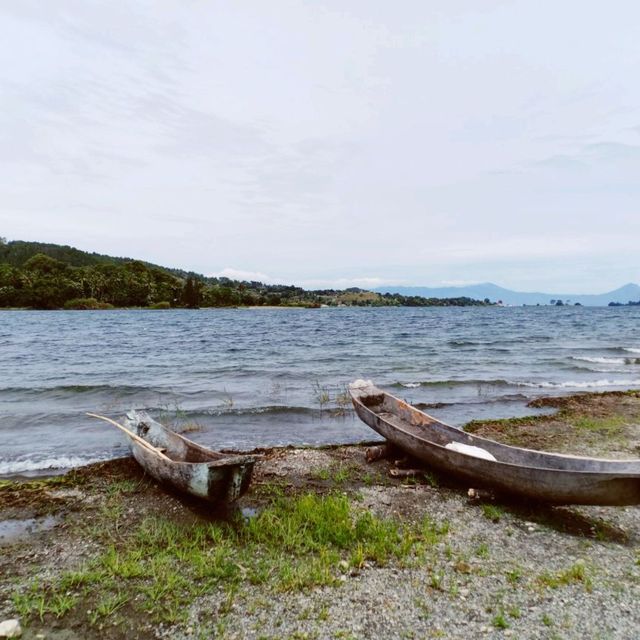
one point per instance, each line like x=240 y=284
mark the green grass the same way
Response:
x=503 y=424
x=499 y=621
x=70 y=479
x=609 y=426
x=340 y=473
x=575 y=573
x=514 y=575
x=514 y=612
x=125 y=486
x=492 y=512
x=158 y=567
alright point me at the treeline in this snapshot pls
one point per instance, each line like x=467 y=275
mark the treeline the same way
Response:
x=631 y=303
x=48 y=276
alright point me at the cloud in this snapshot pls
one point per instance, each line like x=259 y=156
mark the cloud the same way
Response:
x=248 y=276
x=362 y=282
x=329 y=146
x=345 y=283
x=459 y=283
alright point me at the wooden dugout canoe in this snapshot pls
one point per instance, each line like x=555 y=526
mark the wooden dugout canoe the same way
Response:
x=551 y=477
x=187 y=466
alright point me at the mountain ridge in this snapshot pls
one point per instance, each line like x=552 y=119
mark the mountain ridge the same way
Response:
x=625 y=293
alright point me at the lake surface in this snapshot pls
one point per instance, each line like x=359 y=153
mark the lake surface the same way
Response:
x=243 y=378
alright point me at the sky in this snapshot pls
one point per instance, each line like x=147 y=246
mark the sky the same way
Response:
x=329 y=143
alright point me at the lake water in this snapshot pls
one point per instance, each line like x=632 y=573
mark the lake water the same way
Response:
x=253 y=377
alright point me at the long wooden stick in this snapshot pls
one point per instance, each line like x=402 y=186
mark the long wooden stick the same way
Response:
x=130 y=433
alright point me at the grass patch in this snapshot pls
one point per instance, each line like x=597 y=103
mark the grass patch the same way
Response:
x=514 y=575
x=160 y=566
x=341 y=473
x=500 y=621
x=575 y=573
x=503 y=424
x=70 y=479
x=492 y=512
x=607 y=426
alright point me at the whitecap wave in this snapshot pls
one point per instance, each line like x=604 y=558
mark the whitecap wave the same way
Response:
x=597 y=360
x=572 y=384
x=410 y=385
x=8 y=467
x=631 y=350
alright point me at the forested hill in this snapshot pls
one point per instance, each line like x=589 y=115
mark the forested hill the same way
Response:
x=50 y=276
x=17 y=252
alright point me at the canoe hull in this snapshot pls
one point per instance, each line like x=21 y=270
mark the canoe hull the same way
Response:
x=552 y=478
x=191 y=468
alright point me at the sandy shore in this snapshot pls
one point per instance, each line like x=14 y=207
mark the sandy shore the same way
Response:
x=326 y=545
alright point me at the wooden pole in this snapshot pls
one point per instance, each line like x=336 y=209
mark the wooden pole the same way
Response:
x=130 y=433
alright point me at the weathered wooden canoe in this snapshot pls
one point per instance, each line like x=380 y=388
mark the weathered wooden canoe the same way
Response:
x=187 y=466
x=549 y=477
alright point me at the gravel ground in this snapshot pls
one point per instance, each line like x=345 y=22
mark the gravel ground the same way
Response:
x=487 y=579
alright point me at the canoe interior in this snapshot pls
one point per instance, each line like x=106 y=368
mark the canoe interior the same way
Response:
x=173 y=445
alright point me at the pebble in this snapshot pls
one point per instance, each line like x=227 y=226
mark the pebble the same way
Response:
x=10 y=629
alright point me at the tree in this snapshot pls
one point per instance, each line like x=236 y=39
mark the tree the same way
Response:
x=191 y=295
x=45 y=264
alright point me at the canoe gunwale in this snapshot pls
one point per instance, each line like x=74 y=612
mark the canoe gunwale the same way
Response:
x=232 y=460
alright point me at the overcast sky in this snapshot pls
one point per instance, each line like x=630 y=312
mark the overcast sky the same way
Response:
x=329 y=142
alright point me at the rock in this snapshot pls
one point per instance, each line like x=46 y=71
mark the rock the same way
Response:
x=10 y=629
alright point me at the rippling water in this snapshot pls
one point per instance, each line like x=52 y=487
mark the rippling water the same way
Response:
x=253 y=377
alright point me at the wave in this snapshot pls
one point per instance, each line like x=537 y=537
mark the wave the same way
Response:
x=499 y=341
x=608 y=370
x=78 y=389
x=571 y=384
x=506 y=399
x=631 y=349
x=248 y=411
x=608 y=360
x=453 y=383
x=12 y=467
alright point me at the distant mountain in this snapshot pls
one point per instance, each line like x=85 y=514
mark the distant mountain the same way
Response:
x=495 y=293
